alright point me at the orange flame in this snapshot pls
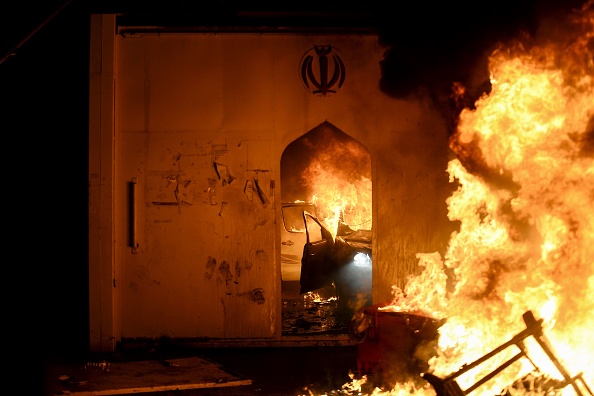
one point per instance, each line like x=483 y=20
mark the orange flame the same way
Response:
x=339 y=184
x=525 y=204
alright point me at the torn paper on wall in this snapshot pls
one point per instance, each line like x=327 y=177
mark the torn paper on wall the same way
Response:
x=261 y=195
x=248 y=190
x=223 y=173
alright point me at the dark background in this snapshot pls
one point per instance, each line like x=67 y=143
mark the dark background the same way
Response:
x=44 y=113
x=44 y=88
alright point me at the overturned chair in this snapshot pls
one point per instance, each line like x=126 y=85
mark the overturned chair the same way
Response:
x=449 y=387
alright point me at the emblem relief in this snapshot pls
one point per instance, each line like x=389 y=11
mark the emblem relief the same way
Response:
x=322 y=70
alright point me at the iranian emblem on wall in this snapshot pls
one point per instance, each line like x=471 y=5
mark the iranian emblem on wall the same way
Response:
x=322 y=71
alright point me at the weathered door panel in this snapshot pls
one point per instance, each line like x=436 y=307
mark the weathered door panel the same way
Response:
x=204 y=265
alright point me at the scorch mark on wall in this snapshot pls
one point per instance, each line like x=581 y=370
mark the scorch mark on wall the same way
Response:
x=256 y=295
x=226 y=275
x=211 y=265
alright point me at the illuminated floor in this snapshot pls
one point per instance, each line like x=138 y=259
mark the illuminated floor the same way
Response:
x=311 y=313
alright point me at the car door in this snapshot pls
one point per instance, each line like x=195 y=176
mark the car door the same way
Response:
x=293 y=238
x=317 y=264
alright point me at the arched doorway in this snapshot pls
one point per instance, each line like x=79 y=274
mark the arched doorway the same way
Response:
x=326 y=231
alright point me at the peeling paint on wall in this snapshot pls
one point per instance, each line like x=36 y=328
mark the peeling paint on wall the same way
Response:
x=219 y=150
x=263 y=198
x=223 y=208
x=248 y=190
x=223 y=173
x=177 y=186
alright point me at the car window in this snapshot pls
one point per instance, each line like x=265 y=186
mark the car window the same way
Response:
x=293 y=217
x=314 y=230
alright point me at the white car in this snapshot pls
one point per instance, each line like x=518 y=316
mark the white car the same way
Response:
x=293 y=238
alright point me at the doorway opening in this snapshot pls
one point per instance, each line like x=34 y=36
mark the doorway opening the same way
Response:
x=326 y=254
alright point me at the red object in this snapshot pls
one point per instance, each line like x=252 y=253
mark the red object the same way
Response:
x=395 y=346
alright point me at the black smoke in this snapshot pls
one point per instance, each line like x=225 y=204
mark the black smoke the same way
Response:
x=431 y=46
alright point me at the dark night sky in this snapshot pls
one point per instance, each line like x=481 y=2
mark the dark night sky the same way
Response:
x=450 y=42
x=44 y=89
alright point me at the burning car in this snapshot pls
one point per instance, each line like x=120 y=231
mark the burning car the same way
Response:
x=344 y=261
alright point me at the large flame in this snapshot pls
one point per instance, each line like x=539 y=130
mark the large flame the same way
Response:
x=339 y=184
x=525 y=205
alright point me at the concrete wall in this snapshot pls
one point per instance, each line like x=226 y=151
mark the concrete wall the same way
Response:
x=197 y=120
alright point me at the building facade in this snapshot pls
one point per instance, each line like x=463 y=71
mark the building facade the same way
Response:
x=186 y=132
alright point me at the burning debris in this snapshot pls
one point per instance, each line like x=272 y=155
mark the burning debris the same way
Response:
x=449 y=387
x=525 y=243
x=311 y=313
x=393 y=347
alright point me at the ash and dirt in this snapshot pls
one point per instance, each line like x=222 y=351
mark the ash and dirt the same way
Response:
x=311 y=313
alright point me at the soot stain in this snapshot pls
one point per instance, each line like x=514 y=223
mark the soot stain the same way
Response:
x=211 y=264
